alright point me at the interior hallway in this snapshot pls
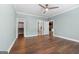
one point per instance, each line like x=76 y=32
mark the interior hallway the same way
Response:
x=44 y=45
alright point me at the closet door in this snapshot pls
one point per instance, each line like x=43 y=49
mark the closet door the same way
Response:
x=46 y=27
x=40 y=27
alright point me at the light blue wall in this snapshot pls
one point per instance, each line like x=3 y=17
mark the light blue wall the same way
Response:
x=67 y=24
x=30 y=25
x=7 y=26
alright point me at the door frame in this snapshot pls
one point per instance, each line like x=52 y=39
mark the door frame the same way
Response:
x=53 y=26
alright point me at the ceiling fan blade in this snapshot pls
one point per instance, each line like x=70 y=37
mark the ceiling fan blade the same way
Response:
x=42 y=6
x=46 y=5
x=53 y=7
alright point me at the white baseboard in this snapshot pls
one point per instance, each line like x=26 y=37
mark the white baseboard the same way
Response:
x=66 y=38
x=30 y=35
x=33 y=35
x=11 y=45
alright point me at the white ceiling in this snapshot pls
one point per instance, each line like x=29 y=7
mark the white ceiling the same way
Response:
x=36 y=10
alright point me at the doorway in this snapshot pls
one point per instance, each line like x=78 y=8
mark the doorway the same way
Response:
x=21 y=28
x=43 y=27
x=50 y=27
x=40 y=27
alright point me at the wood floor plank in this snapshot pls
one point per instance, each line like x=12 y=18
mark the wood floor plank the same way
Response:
x=44 y=45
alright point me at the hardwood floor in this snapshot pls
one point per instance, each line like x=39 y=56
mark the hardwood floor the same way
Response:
x=44 y=45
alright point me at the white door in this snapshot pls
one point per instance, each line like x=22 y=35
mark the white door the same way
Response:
x=46 y=27
x=40 y=27
x=43 y=27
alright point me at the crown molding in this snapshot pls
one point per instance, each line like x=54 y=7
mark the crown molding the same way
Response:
x=72 y=8
x=22 y=13
x=69 y=9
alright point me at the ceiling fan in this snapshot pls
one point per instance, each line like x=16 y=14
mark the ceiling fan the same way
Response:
x=46 y=7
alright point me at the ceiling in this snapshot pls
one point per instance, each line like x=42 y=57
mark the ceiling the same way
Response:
x=36 y=10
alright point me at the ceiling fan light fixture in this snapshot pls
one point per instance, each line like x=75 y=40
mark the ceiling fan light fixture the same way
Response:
x=46 y=9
